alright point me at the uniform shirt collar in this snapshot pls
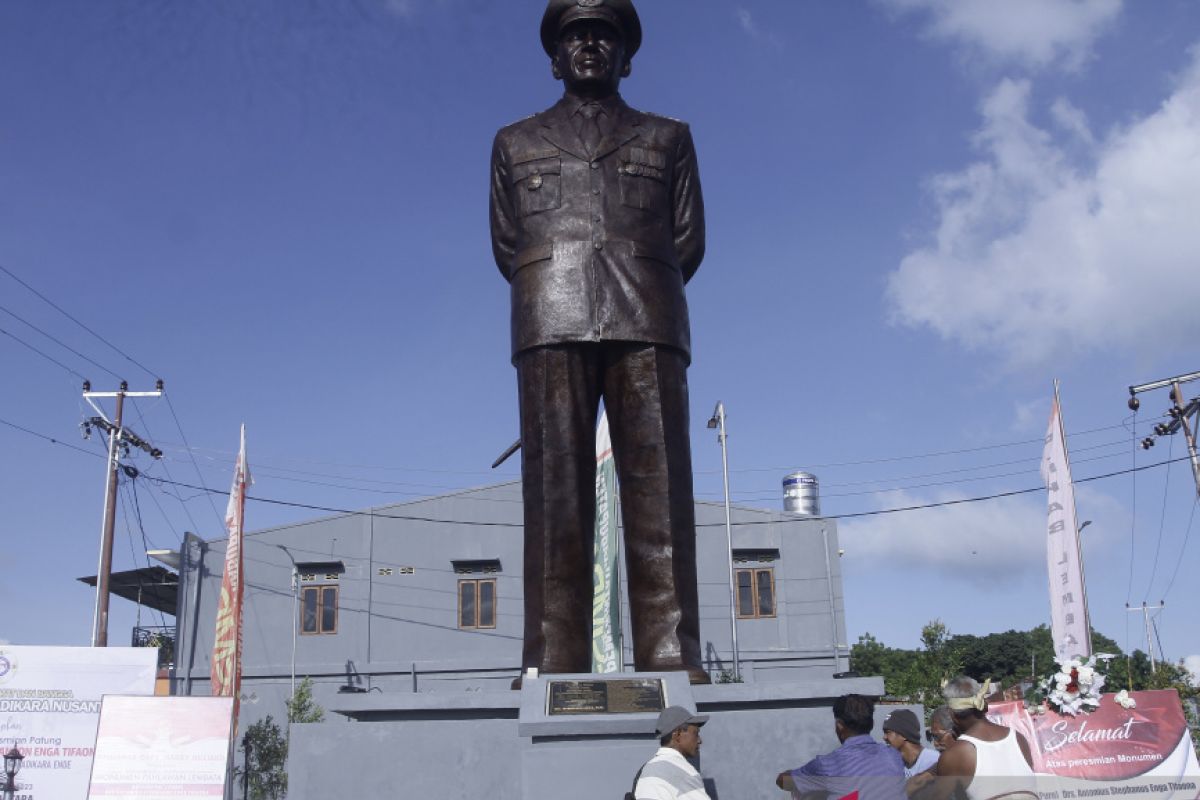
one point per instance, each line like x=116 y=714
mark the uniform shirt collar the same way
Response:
x=610 y=104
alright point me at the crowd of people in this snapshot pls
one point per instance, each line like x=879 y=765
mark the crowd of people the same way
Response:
x=968 y=757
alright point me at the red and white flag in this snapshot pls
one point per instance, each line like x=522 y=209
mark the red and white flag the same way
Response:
x=227 y=644
x=1069 y=625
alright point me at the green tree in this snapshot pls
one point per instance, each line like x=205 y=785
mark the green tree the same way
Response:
x=301 y=707
x=266 y=762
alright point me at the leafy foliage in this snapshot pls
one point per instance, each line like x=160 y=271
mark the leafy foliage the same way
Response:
x=1008 y=658
x=267 y=761
x=301 y=707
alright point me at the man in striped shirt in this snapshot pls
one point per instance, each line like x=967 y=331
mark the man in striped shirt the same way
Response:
x=669 y=775
x=861 y=764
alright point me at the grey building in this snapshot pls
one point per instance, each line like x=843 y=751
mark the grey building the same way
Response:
x=425 y=596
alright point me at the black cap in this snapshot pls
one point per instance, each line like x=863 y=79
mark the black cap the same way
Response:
x=619 y=13
x=904 y=722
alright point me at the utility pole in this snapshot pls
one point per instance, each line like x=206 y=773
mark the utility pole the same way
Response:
x=1145 y=609
x=119 y=438
x=1179 y=412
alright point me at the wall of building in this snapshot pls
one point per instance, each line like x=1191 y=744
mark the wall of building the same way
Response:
x=397 y=625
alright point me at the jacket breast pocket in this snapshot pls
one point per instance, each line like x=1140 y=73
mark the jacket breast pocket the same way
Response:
x=643 y=178
x=537 y=183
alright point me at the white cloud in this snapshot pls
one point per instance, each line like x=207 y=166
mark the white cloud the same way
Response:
x=988 y=542
x=751 y=28
x=1031 y=416
x=1192 y=665
x=992 y=542
x=401 y=8
x=746 y=20
x=1033 y=33
x=1035 y=257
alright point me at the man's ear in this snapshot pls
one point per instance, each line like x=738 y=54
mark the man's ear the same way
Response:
x=628 y=68
x=554 y=70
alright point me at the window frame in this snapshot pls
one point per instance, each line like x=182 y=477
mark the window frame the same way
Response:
x=320 y=591
x=477 y=583
x=754 y=592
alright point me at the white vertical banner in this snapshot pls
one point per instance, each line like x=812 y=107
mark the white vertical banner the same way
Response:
x=606 y=588
x=1069 y=625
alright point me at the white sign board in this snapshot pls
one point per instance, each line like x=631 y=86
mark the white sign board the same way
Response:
x=162 y=748
x=50 y=704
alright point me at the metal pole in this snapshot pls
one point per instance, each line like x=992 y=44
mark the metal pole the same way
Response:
x=100 y=619
x=246 y=747
x=196 y=576
x=1188 y=433
x=837 y=659
x=1145 y=609
x=737 y=669
x=1149 y=640
x=295 y=620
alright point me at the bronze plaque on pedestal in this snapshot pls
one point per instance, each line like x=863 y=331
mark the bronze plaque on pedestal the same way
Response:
x=618 y=696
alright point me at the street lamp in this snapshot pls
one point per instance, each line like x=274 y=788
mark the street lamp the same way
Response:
x=718 y=422
x=12 y=765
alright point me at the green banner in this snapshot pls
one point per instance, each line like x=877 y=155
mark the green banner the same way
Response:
x=606 y=587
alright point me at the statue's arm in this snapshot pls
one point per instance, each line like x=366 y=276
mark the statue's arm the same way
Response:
x=504 y=231
x=688 y=207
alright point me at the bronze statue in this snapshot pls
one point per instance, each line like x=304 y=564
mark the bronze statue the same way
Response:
x=597 y=223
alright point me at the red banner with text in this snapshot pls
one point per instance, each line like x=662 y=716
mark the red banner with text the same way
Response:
x=1150 y=740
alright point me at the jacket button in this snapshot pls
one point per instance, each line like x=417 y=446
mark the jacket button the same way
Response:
x=596 y=191
x=535 y=182
x=598 y=245
x=595 y=165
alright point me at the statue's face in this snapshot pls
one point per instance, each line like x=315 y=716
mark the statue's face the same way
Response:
x=590 y=58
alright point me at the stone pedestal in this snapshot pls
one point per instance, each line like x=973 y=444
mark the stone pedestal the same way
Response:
x=505 y=746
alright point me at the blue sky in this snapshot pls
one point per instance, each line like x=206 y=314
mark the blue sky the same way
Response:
x=920 y=213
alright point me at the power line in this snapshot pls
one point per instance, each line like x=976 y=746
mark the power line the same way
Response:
x=60 y=310
x=476 y=523
x=938 y=454
x=46 y=356
x=1132 y=517
x=224 y=456
x=182 y=435
x=60 y=343
x=1186 y=536
x=332 y=510
x=51 y=439
x=187 y=511
x=1162 y=520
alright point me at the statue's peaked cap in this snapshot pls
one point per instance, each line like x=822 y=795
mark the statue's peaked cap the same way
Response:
x=619 y=13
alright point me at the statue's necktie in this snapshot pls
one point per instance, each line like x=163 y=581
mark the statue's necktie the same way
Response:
x=590 y=130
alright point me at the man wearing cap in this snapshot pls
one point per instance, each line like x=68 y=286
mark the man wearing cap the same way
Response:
x=902 y=731
x=669 y=775
x=597 y=223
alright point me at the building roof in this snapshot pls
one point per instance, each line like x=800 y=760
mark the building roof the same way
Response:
x=154 y=587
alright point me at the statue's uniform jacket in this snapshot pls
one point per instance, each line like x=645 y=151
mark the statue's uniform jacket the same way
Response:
x=597 y=247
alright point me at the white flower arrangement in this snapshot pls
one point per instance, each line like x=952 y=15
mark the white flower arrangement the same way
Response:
x=1124 y=700
x=1076 y=687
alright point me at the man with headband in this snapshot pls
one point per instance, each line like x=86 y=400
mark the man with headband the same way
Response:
x=988 y=759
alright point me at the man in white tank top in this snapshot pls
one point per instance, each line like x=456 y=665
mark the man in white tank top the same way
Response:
x=988 y=760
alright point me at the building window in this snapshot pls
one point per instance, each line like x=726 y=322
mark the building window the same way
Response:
x=756 y=593
x=477 y=603
x=318 y=609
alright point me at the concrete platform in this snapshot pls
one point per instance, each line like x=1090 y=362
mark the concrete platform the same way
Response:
x=503 y=745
